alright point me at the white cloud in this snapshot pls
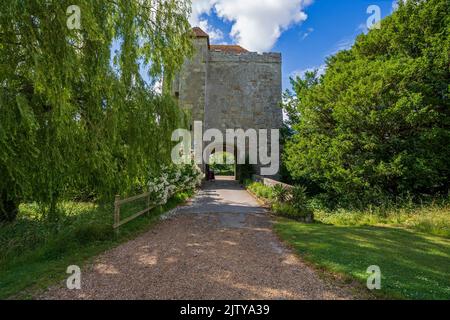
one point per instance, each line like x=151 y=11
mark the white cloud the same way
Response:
x=215 y=34
x=307 y=33
x=343 y=44
x=204 y=7
x=301 y=73
x=257 y=25
x=362 y=28
x=200 y=7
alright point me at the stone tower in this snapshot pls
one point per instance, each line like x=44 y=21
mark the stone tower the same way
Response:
x=228 y=87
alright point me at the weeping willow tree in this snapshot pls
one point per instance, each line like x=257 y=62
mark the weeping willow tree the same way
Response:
x=77 y=116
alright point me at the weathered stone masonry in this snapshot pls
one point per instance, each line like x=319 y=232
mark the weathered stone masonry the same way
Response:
x=228 y=87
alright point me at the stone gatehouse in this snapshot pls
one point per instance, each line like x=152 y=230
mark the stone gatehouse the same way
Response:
x=228 y=87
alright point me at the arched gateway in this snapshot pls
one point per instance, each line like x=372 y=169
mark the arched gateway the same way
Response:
x=228 y=87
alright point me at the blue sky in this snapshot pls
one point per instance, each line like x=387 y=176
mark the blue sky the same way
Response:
x=308 y=30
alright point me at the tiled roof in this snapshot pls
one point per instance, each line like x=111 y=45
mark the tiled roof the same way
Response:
x=200 y=33
x=228 y=48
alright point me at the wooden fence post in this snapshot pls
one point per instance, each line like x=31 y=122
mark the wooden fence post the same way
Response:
x=117 y=213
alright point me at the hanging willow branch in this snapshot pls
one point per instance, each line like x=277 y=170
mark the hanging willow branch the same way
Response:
x=73 y=123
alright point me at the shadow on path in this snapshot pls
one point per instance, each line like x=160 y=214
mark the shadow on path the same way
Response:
x=221 y=246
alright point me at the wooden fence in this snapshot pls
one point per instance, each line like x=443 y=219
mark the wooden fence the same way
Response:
x=118 y=203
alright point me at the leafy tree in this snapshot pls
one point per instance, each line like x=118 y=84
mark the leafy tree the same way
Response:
x=377 y=123
x=73 y=120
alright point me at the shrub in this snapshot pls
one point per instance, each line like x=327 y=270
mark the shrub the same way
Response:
x=172 y=179
x=247 y=182
x=261 y=190
x=429 y=218
x=299 y=198
x=287 y=210
x=281 y=193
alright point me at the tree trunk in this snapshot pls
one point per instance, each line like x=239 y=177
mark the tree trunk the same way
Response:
x=9 y=208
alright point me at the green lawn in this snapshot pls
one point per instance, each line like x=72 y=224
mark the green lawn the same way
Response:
x=413 y=265
x=35 y=253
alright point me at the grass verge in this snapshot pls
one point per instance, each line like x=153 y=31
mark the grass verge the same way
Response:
x=414 y=265
x=408 y=242
x=35 y=253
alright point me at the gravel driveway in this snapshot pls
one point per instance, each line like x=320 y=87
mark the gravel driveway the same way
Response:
x=220 y=246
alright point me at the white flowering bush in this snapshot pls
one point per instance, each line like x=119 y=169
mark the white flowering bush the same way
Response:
x=172 y=179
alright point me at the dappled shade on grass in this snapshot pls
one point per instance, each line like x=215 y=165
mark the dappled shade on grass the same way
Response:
x=413 y=265
x=35 y=252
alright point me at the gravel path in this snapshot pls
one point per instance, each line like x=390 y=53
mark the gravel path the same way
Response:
x=220 y=246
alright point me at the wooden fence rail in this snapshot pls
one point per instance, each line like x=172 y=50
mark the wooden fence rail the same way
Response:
x=119 y=202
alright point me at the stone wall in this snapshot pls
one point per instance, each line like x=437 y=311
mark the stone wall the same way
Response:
x=190 y=83
x=243 y=91
x=270 y=182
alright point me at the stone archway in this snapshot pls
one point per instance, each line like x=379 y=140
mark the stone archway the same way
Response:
x=216 y=148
